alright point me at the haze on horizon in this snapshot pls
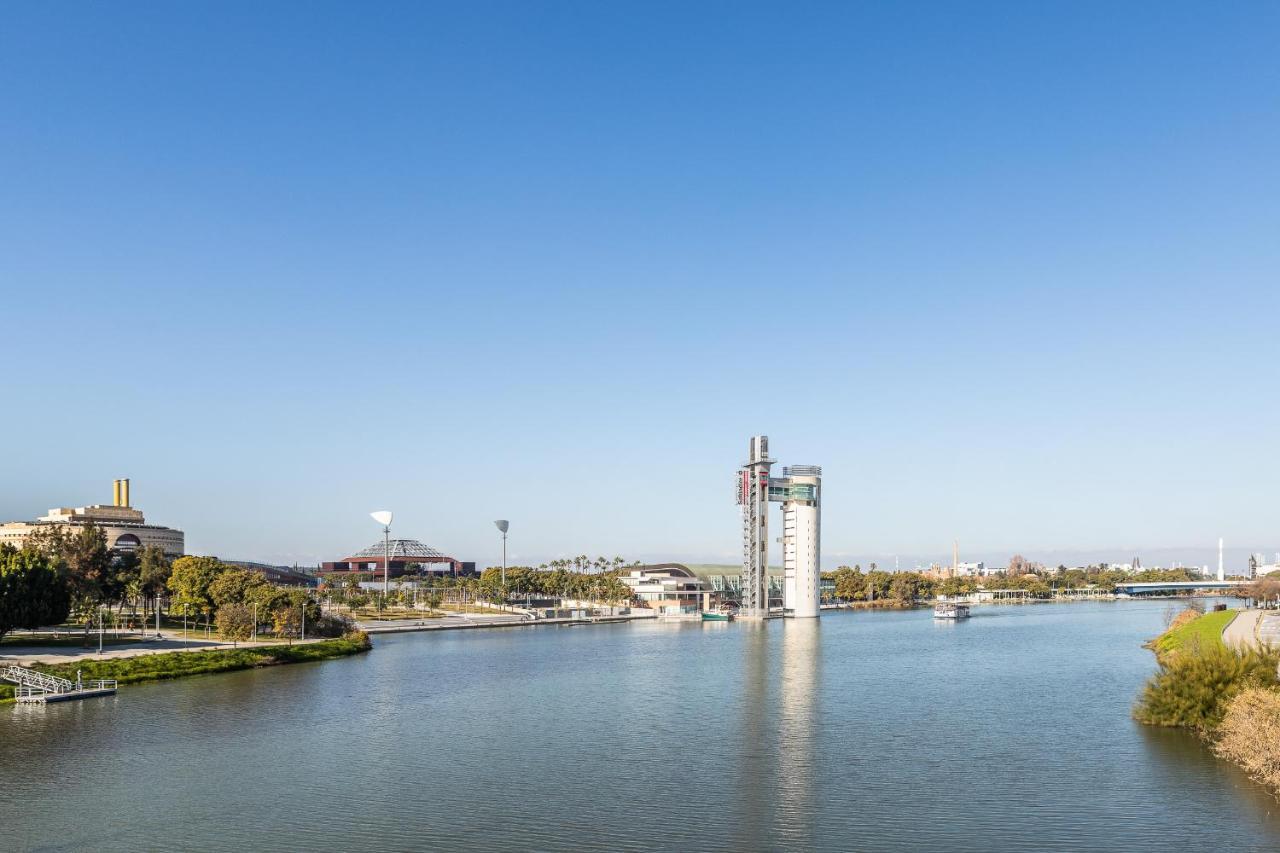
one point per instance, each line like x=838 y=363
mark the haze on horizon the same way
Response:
x=1008 y=273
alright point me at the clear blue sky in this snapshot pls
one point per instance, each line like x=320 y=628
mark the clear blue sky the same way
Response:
x=1009 y=272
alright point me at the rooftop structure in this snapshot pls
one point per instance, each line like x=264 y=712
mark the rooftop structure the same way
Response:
x=399 y=555
x=125 y=526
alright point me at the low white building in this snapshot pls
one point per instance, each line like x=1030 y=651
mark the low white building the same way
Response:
x=669 y=588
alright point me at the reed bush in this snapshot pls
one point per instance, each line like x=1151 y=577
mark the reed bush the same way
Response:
x=1194 y=687
x=1250 y=734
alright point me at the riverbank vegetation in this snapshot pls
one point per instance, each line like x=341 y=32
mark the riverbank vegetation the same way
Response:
x=62 y=575
x=1193 y=629
x=1197 y=683
x=853 y=586
x=1229 y=696
x=181 y=664
x=32 y=592
x=555 y=580
x=1249 y=734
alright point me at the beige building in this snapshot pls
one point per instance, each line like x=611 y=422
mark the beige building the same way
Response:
x=126 y=527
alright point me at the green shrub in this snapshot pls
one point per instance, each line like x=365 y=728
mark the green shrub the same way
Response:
x=1195 y=685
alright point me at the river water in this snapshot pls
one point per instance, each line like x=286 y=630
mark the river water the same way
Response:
x=861 y=731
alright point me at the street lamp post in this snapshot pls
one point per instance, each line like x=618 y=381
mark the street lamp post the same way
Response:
x=502 y=524
x=383 y=517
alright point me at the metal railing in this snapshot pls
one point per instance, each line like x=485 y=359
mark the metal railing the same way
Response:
x=24 y=677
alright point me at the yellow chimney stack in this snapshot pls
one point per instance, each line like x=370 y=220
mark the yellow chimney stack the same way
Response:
x=115 y=493
x=124 y=491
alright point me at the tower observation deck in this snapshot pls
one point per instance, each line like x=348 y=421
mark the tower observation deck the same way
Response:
x=799 y=490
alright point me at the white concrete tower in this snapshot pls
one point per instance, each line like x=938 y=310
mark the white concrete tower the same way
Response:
x=800 y=491
x=753 y=497
x=1221 y=573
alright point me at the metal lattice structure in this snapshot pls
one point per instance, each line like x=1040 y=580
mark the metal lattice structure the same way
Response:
x=400 y=549
x=753 y=497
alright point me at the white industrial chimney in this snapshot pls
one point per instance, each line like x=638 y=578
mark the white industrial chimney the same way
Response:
x=1221 y=574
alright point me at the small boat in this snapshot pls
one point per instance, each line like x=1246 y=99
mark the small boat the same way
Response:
x=950 y=610
x=717 y=616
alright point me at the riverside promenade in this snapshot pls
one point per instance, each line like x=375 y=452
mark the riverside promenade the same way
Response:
x=168 y=642
x=1253 y=627
x=454 y=622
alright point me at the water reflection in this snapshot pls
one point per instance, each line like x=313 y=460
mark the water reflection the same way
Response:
x=758 y=749
x=799 y=689
x=1187 y=760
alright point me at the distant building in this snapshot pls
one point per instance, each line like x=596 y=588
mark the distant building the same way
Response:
x=671 y=589
x=1258 y=566
x=282 y=575
x=125 y=527
x=403 y=554
x=726 y=581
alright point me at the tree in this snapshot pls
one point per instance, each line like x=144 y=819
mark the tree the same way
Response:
x=32 y=592
x=1017 y=565
x=287 y=622
x=190 y=582
x=850 y=584
x=1264 y=589
x=235 y=622
x=235 y=586
x=87 y=560
x=126 y=579
x=288 y=617
x=906 y=587
x=956 y=586
x=153 y=572
x=89 y=567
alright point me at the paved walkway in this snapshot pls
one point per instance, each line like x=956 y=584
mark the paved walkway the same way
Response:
x=1269 y=628
x=169 y=642
x=1240 y=631
x=475 y=620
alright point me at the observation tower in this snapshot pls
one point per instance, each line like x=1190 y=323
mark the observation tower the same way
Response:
x=799 y=490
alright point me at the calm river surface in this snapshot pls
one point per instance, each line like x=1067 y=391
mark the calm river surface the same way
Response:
x=862 y=731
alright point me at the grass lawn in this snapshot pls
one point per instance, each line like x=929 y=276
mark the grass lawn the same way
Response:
x=180 y=664
x=76 y=641
x=1204 y=631
x=370 y=614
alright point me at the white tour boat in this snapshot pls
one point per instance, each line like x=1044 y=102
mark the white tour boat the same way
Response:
x=950 y=610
